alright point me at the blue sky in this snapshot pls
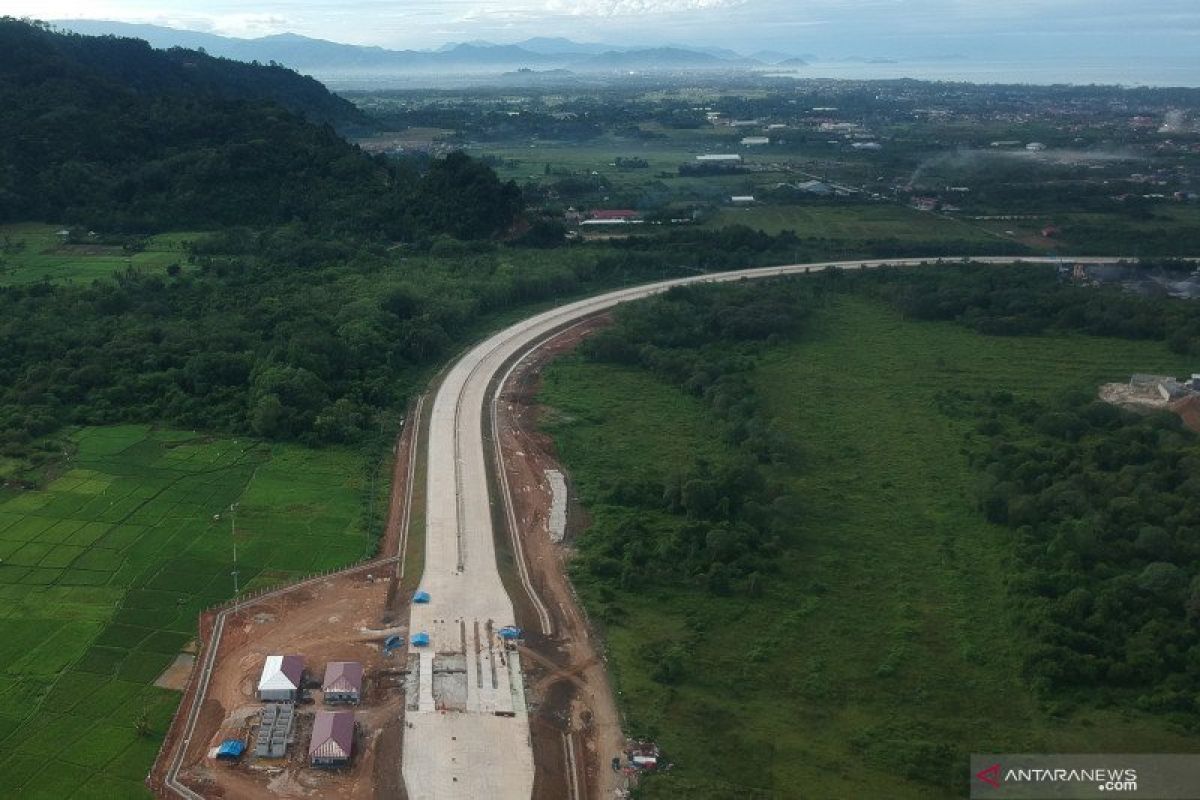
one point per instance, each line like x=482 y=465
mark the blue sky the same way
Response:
x=1110 y=29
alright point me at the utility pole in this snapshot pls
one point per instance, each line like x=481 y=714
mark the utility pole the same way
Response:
x=233 y=537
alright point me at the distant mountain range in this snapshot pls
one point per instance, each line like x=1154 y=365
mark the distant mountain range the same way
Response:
x=321 y=57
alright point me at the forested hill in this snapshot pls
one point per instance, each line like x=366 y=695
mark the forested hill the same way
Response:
x=112 y=134
x=34 y=53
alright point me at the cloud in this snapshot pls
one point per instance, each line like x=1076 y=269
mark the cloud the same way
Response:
x=632 y=8
x=1114 y=30
x=241 y=25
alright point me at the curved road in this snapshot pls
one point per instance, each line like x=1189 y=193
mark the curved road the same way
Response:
x=469 y=736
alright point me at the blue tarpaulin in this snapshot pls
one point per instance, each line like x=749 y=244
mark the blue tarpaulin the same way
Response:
x=392 y=643
x=231 y=748
x=510 y=632
x=420 y=640
x=421 y=597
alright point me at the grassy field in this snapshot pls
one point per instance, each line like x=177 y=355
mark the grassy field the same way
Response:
x=103 y=574
x=527 y=162
x=883 y=653
x=30 y=252
x=855 y=223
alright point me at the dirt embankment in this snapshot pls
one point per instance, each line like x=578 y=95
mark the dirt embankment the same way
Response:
x=569 y=688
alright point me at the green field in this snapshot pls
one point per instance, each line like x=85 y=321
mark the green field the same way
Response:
x=883 y=652
x=104 y=572
x=31 y=252
x=853 y=223
x=660 y=180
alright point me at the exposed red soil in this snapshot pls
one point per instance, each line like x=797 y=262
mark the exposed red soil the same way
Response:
x=568 y=682
x=331 y=621
x=1188 y=410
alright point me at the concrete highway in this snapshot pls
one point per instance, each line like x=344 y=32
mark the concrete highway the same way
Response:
x=469 y=735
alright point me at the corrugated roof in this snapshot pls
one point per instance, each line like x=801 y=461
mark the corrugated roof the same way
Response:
x=281 y=673
x=343 y=676
x=333 y=735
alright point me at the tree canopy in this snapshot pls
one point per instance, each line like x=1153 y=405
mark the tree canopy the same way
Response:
x=112 y=134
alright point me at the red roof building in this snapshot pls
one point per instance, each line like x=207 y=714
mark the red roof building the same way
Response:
x=332 y=741
x=343 y=682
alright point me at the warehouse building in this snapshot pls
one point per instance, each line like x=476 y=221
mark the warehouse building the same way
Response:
x=281 y=679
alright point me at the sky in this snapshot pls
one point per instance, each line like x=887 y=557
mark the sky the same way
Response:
x=1065 y=29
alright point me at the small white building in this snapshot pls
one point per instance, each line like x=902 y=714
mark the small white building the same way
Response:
x=1172 y=390
x=742 y=199
x=755 y=141
x=281 y=679
x=719 y=158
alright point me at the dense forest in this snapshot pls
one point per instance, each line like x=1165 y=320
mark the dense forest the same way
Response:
x=297 y=335
x=1030 y=299
x=282 y=333
x=716 y=527
x=1104 y=506
x=111 y=134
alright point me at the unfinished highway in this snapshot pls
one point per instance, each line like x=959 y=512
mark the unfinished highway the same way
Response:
x=467 y=729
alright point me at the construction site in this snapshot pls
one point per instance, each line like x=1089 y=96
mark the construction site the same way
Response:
x=483 y=677
x=233 y=742
x=1145 y=392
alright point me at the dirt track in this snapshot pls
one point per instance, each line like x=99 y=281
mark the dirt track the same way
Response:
x=567 y=673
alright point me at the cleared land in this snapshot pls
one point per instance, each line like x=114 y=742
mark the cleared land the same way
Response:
x=104 y=572
x=882 y=652
x=339 y=618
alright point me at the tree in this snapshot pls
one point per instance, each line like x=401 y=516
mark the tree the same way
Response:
x=464 y=198
x=1162 y=579
x=285 y=400
x=339 y=423
x=1154 y=542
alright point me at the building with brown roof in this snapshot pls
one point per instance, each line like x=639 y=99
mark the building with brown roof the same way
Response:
x=343 y=682
x=332 y=742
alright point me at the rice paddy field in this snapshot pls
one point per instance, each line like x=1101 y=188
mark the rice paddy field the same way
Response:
x=104 y=571
x=31 y=252
x=883 y=652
